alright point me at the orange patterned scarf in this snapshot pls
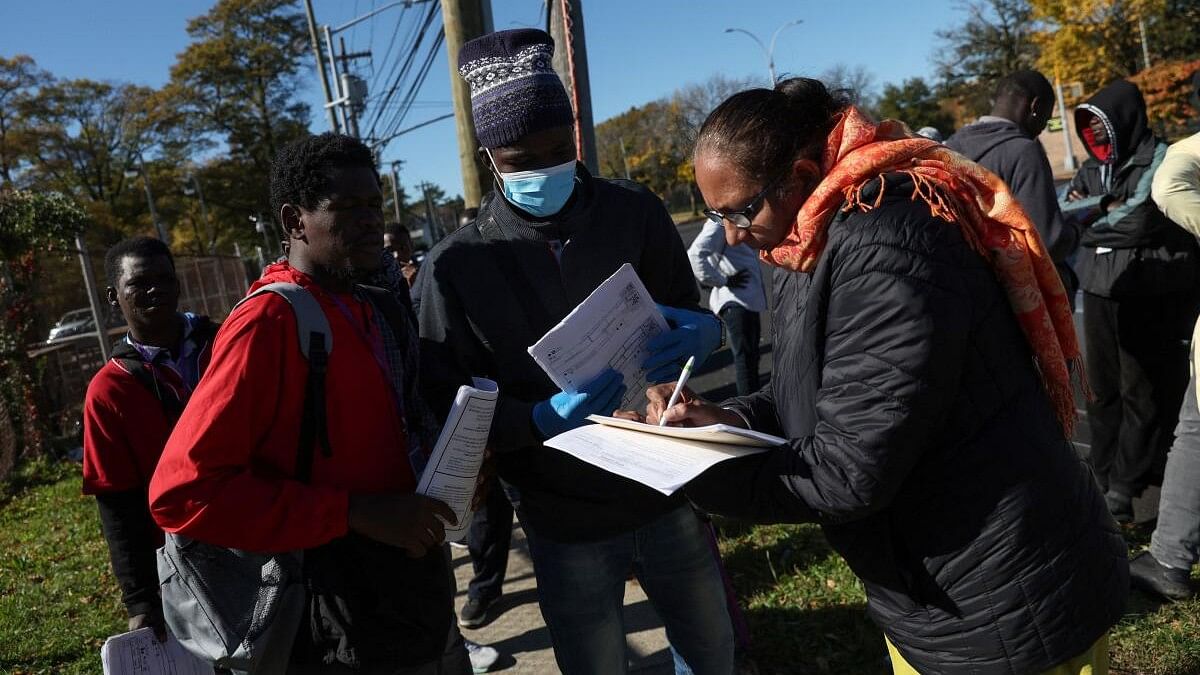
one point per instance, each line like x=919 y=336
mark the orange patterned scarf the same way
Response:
x=957 y=191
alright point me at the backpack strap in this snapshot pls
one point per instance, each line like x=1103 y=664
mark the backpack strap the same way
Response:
x=131 y=361
x=316 y=341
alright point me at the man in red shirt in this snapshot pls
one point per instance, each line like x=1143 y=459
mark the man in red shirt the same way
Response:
x=130 y=407
x=228 y=476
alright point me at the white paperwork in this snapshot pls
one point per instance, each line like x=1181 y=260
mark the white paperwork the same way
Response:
x=609 y=329
x=140 y=653
x=648 y=456
x=713 y=433
x=453 y=467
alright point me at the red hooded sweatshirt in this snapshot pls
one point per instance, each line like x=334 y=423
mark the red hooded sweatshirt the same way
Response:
x=225 y=476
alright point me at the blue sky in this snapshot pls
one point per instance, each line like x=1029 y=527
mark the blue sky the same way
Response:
x=638 y=50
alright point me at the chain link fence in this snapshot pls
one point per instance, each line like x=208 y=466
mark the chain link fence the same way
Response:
x=209 y=285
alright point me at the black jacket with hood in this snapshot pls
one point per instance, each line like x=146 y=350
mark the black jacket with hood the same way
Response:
x=1000 y=146
x=922 y=440
x=1133 y=249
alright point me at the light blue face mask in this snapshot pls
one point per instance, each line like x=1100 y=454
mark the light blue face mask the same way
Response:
x=541 y=192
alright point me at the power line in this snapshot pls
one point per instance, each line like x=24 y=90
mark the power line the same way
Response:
x=405 y=67
x=411 y=95
x=387 y=55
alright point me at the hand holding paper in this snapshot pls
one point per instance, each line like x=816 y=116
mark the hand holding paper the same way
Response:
x=565 y=411
x=695 y=334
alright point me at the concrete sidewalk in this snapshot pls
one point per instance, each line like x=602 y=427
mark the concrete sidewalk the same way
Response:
x=518 y=632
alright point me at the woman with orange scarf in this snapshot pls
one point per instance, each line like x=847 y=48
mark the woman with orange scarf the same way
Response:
x=923 y=356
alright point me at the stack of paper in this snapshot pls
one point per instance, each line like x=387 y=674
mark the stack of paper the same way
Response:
x=609 y=329
x=664 y=458
x=453 y=468
x=140 y=653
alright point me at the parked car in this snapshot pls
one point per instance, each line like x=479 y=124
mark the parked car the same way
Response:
x=79 y=321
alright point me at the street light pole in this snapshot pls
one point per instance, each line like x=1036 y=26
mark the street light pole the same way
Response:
x=208 y=224
x=769 y=52
x=158 y=226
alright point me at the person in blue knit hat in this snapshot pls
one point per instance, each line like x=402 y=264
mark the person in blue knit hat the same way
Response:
x=545 y=238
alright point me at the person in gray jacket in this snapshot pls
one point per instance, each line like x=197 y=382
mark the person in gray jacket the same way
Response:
x=737 y=296
x=1005 y=142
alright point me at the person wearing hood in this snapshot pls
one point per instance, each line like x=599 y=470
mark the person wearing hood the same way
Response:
x=1138 y=273
x=544 y=239
x=1006 y=143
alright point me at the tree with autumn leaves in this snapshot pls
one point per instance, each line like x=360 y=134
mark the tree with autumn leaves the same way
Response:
x=232 y=100
x=1084 y=42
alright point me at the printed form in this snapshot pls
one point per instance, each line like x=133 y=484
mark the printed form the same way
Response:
x=453 y=467
x=140 y=653
x=610 y=329
x=658 y=461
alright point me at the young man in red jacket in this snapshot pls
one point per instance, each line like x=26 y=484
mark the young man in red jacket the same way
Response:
x=131 y=405
x=380 y=586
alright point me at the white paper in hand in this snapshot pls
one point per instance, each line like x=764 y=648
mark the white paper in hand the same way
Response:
x=140 y=653
x=453 y=467
x=609 y=329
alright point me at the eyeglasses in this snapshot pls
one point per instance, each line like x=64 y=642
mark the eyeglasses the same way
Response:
x=742 y=217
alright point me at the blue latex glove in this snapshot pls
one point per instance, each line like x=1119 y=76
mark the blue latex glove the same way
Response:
x=695 y=334
x=563 y=412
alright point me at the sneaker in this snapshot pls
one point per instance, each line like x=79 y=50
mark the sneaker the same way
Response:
x=1169 y=583
x=459 y=545
x=482 y=657
x=1120 y=506
x=475 y=613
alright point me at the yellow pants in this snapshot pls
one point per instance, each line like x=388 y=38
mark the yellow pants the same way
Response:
x=1092 y=662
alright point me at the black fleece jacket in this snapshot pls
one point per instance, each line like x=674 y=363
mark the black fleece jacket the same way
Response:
x=492 y=288
x=1000 y=146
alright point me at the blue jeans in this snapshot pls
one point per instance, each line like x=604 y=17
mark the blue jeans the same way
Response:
x=581 y=588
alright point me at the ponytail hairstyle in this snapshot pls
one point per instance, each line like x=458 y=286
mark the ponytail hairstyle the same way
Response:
x=762 y=131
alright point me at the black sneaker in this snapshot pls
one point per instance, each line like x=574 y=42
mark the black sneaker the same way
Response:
x=475 y=613
x=1170 y=583
x=1120 y=506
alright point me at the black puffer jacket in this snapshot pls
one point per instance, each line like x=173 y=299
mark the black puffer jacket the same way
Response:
x=923 y=442
x=1133 y=249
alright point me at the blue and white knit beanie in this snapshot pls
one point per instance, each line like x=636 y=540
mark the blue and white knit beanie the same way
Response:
x=514 y=89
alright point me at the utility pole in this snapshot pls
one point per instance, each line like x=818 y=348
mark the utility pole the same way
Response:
x=396 y=188
x=316 y=45
x=353 y=88
x=624 y=159
x=570 y=62
x=339 y=101
x=466 y=20
x=89 y=283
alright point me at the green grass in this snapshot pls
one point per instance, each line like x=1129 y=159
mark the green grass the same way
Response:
x=807 y=610
x=58 y=599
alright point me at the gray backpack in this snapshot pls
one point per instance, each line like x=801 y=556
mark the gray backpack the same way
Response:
x=241 y=610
